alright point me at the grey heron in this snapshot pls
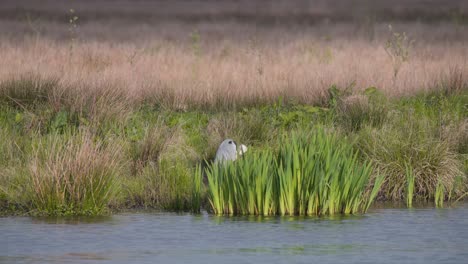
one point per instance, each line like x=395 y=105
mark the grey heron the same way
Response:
x=228 y=150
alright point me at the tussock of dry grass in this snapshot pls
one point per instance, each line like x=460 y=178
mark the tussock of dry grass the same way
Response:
x=429 y=146
x=74 y=177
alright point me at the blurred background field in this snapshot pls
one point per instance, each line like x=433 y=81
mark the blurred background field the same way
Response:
x=140 y=19
x=201 y=53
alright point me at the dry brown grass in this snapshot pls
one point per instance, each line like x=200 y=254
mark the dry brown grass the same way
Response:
x=303 y=69
x=125 y=54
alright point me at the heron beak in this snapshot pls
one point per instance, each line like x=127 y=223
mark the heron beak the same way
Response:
x=243 y=149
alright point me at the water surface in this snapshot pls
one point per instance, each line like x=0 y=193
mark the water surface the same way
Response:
x=382 y=236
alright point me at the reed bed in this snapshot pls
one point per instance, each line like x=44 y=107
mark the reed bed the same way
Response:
x=311 y=174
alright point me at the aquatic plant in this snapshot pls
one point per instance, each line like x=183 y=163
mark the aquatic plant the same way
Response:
x=311 y=174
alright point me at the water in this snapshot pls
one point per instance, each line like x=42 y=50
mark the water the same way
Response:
x=381 y=236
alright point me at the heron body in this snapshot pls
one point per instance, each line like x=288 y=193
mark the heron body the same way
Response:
x=227 y=150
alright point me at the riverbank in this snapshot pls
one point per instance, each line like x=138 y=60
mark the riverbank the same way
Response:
x=62 y=163
x=110 y=107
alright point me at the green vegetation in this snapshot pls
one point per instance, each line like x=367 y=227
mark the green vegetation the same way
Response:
x=420 y=148
x=311 y=174
x=60 y=155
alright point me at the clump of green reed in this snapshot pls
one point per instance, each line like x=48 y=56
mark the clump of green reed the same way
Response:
x=242 y=187
x=321 y=174
x=311 y=174
x=73 y=175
